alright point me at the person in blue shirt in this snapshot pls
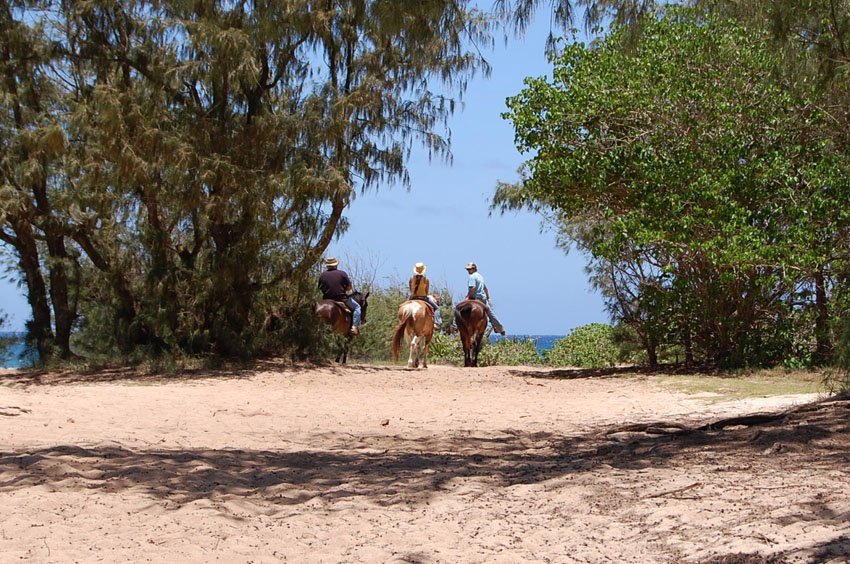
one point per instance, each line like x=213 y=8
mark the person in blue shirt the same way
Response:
x=477 y=290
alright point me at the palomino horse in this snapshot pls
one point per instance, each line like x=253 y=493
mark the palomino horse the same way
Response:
x=416 y=322
x=471 y=321
x=340 y=319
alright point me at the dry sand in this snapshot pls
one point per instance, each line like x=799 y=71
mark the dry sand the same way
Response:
x=381 y=464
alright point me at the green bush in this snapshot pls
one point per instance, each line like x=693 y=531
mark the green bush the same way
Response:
x=446 y=349
x=373 y=344
x=509 y=352
x=588 y=346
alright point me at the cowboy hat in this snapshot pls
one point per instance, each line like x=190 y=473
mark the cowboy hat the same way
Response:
x=331 y=262
x=471 y=265
x=419 y=268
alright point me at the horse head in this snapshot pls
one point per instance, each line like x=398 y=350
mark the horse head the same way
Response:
x=362 y=299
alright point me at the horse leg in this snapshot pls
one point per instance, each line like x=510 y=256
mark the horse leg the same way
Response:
x=425 y=355
x=343 y=352
x=413 y=357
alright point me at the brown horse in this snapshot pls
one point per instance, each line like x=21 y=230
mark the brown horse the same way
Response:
x=340 y=319
x=471 y=321
x=416 y=322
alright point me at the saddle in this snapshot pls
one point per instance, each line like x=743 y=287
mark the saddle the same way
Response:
x=423 y=299
x=343 y=306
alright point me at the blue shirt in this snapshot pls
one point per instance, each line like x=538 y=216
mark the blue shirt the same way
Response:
x=477 y=281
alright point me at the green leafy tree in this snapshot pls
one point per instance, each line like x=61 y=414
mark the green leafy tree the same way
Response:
x=588 y=346
x=688 y=149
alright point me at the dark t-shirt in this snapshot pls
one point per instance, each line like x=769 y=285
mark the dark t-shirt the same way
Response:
x=333 y=284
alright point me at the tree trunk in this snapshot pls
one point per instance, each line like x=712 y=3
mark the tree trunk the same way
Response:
x=39 y=327
x=59 y=295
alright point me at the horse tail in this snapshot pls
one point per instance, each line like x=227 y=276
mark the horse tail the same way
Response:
x=398 y=333
x=462 y=314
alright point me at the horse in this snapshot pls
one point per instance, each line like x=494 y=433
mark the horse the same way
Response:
x=416 y=322
x=340 y=319
x=471 y=321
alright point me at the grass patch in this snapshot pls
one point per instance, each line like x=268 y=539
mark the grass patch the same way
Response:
x=735 y=386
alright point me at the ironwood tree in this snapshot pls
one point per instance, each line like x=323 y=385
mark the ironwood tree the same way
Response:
x=171 y=169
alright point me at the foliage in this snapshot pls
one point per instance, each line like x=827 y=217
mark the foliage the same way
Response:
x=172 y=171
x=5 y=341
x=447 y=349
x=373 y=344
x=588 y=346
x=509 y=352
x=708 y=194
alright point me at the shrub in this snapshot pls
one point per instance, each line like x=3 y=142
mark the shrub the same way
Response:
x=373 y=344
x=588 y=346
x=509 y=352
x=446 y=349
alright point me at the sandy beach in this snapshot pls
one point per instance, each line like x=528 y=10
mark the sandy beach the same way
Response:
x=444 y=465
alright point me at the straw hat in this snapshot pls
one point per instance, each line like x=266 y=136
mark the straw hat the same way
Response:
x=331 y=262
x=471 y=265
x=419 y=268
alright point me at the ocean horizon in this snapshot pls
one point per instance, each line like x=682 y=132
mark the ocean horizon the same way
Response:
x=15 y=354
x=542 y=342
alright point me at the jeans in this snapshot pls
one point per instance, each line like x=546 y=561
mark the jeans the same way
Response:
x=355 y=310
x=494 y=321
x=436 y=309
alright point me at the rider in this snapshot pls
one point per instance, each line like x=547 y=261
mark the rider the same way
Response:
x=419 y=287
x=477 y=290
x=335 y=285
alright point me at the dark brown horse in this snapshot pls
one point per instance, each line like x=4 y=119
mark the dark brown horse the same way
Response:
x=471 y=321
x=340 y=319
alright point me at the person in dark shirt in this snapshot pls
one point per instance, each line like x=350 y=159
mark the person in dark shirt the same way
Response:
x=336 y=285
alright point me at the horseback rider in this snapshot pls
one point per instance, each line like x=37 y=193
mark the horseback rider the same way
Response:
x=419 y=288
x=477 y=290
x=336 y=285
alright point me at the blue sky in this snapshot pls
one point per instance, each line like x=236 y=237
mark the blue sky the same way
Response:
x=444 y=219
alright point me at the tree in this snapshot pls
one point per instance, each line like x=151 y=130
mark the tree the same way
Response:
x=202 y=154
x=687 y=146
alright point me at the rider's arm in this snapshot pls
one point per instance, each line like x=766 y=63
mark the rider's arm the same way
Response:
x=470 y=292
x=487 y=293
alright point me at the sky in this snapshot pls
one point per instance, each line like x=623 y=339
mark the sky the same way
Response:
x=444 y=219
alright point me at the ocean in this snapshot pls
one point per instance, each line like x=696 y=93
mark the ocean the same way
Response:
x=14 y=355
x=543 y=342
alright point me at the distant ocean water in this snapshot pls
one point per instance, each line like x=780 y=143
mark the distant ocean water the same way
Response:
x=543 y=342
x=14 y=355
